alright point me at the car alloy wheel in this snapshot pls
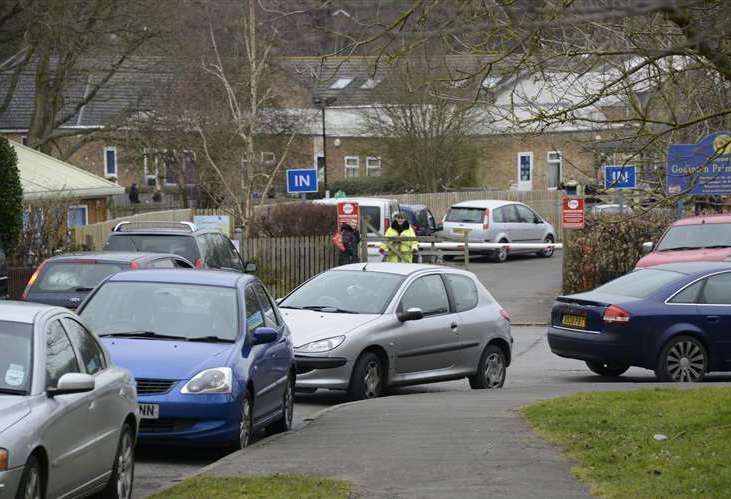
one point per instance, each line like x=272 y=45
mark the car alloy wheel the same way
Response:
x=372 y=380
x=31 y=480
x=547 y=252
x=125 y=465
x=501 y=254
x=245 y=425
x=494 y=370
x=685 y=361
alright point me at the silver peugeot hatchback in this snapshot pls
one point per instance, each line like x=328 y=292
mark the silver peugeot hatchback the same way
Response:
x=364 y=327
x=68 y=418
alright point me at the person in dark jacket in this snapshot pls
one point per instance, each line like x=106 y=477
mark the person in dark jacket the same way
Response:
x=134 y=193
x=351 y=239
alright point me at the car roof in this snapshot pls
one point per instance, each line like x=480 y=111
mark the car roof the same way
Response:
x=111 y=256
x=220 y=278
x=391 y=268
x=704 y=219
x=360 y=200
x=692 y=267
x=412 y=207
x=484 y=203
x=23 y=312
x=159 y=230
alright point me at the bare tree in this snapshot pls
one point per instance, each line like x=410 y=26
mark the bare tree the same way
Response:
x=45 y=230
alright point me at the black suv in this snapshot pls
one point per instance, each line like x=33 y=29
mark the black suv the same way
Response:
x=207 y=249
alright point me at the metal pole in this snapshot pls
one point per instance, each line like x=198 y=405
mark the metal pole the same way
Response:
x=324 y=151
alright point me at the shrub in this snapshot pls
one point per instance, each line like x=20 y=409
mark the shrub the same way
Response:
x=295 y=219
x=607 y=247
x=11 y=198
x=361 y=186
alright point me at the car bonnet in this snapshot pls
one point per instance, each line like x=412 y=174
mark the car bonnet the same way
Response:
x=310 y=325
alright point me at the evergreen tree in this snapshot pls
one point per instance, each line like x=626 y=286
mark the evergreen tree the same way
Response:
x=11 y=197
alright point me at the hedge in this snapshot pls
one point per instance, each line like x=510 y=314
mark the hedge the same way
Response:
x=360 y=186
x=296 y=219
x=607 y=247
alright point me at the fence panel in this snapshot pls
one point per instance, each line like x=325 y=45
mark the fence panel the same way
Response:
x=17 y=279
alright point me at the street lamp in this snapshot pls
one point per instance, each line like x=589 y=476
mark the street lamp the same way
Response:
x=322 y=103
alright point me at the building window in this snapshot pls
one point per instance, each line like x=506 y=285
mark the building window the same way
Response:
x=110 y=162
x=373 y=167
x=553 y=170
x=352 y=164
x=525 y=171
x=24 y=140
x=78 y=215
x=320 y=162
x=189 y=172
x=172 y=169
x=341 y=83
x=268 y=158
x=150 y=162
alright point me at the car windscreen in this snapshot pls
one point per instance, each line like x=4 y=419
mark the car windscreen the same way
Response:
x=75 y=276
x=154 y=243
x=346 y=291
x=466 y=215
x=696 y=236
x=640 y=283
x=187 y=310
x=372 y=215
x=16 y=360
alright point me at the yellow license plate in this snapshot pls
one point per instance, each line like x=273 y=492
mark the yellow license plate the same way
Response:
x=575 y=321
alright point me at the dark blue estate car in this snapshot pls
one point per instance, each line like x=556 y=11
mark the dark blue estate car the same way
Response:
x=212 y=357
x=674 y=319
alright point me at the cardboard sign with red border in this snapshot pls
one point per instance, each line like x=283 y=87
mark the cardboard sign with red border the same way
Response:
x=572 y=213
x=348 y=213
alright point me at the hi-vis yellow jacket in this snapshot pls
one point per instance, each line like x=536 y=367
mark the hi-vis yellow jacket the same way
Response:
x=406 y=248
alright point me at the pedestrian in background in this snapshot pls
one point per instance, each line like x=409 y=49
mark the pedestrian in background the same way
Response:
x=405 y=250
x=134 y=193
x=347 y=241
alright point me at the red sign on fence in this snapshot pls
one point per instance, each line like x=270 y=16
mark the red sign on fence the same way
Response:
x=572 y=213
x=348 y=213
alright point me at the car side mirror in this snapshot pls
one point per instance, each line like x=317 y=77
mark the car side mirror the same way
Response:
x=73 y=383
x=263 y=335
x=537 y=221
x=647 y=247
x=250 y=267
x=412 y=314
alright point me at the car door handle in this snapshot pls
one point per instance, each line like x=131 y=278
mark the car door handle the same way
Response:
x=454 y=326
x=713 y=318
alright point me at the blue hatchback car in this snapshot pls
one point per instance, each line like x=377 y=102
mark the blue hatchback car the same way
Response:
x=674 y=319
x=212 y=357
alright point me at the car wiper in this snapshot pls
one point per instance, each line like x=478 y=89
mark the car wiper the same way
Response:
x=329 y=309
x=82 y=289
x=11 y=391
x=681 y=248
x=212 y=339
x=144 y=334
x=290 y=306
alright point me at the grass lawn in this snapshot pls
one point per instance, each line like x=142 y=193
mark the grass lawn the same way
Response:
x=610 y=435
x=275 y=487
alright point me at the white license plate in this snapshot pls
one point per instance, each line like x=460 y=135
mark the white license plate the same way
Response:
x=149 y=411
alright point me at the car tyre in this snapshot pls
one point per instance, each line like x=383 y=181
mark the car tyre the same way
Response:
x=123 y=472
x=547 y=252
x=31 y=483
x=285 y=423
x=491 y=370
x=246 y=422
x=368 y=378
x=607 y=370
x=682 y=359
x=500 y=255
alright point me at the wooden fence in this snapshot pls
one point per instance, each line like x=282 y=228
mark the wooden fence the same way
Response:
x=17 y=279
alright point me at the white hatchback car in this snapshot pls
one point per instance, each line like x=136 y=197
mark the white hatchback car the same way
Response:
x=68 y=417
x=496 y=221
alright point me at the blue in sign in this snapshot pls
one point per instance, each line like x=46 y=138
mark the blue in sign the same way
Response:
x=703 y=168
x=620 y=176
x=301 y=180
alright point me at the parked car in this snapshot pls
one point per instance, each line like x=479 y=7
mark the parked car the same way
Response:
x=68 y=416
x=364 y=328
x=421 y=219
x=67 y=279
x=674 y=319
x=610 y=209
x=692 y=239
x=207 y=249
x=211 y=354
x=4 y=278
x=494 y=221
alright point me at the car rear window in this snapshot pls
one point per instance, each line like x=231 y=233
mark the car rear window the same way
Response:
x=640 y=283
x=697 y=236
x=75 y=276
x=154 y=243
x=468 y=215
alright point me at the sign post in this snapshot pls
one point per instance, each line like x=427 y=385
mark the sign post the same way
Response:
x=301 y=180
x=620 y=177
x=348 y=213
x=572 y=213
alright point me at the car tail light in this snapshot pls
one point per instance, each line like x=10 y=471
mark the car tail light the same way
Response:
x=31 y=281
x=613 y=314
x=198 y=263
x=134 y=265
x=386 y=223
x=505 y=315
x=486 y=220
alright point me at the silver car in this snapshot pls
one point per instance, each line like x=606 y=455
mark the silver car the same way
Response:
x=364 y=327
x=495 y=221
x=68 y=418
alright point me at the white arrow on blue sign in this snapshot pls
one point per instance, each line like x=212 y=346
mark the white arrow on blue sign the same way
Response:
x=620 y=176
x=301 y=180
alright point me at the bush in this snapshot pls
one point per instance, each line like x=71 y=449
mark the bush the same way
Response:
x=11 y=198
x=607 y=247
x=362 y=186
x=295 y=219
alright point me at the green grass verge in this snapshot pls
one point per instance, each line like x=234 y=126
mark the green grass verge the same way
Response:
x=611 y=437
x=274 y=487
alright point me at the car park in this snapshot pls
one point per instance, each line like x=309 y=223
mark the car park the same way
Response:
x=207 y=249
x=496 y=221
x=67 y=279
x=211 y=354
x=365 y=327
x=673 y=319
x=691 y=239
x=68 y=416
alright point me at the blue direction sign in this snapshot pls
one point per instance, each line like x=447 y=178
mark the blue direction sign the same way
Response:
x=620 y=176
x=301 y=180
x=703 y=168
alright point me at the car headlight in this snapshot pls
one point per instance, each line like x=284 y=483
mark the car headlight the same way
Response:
x=217 y=380
x=320 y=346
x=4 y=459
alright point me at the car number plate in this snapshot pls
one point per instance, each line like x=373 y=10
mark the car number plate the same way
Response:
x=149 y=411
x=575 y=321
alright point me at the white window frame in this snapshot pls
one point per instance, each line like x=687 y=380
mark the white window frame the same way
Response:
x=340 y=83
x=525 y=185
x=86 y=212
x=558 y=161
x=113 y=149
x=146 y=159
x=320 y=174
x=370 y=168
x=165 y=172
x=355 y=168
x=268 y=154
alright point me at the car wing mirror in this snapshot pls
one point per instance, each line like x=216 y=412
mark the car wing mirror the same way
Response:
x=73 y=383
x=263 y=335
x=647 y=247
x=412 y=314
x=250 y=267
